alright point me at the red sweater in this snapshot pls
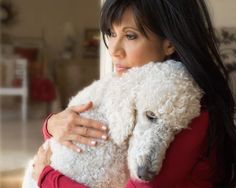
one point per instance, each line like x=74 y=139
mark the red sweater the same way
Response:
x=181 y=167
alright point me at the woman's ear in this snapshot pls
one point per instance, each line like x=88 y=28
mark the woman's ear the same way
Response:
x=169 y=49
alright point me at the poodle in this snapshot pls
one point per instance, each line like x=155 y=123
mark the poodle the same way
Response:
x=144 y=109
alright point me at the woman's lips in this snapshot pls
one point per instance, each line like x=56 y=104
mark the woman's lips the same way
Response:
x=120 y=68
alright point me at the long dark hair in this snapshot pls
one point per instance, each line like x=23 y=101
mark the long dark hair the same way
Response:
x=187 y=24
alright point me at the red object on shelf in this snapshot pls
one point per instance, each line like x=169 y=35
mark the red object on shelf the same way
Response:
x=17 y=82
x=42 y=89
x=30 y=54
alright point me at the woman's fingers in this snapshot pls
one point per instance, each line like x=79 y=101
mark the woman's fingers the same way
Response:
x=76 y=119
x=72 y=146
x=84 y=140
x=45 y=152
x=91 y=123
x=82 y=108
x=48 y=153
x=84 y=127
x=90 y=133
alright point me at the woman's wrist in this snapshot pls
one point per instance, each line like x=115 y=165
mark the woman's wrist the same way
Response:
x=47 y=134
x=49 y=124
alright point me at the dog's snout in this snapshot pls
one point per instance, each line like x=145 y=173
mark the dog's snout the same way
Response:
x=143 y=173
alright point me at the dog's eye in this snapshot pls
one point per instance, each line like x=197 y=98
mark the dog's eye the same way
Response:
x=151 y=116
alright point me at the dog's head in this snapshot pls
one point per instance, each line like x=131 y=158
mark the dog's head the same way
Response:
x=165 y=104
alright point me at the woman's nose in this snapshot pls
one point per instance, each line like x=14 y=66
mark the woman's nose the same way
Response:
x=116 y=49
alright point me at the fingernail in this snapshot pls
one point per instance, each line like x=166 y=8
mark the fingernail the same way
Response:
x=104 y=127
x=78 y=150
x=104 y=137
x=93 y=143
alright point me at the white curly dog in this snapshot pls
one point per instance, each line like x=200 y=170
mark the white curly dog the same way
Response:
x=144 y=109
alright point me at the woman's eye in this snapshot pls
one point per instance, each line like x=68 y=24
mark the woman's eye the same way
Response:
x=110 y=34
x=131 y=36
x=151 y=116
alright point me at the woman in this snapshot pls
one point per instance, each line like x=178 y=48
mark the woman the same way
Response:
x=137 y=32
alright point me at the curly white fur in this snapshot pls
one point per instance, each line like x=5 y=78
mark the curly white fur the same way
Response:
x=144 y=109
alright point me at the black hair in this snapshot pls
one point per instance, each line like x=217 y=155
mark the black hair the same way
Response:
x=187 y=25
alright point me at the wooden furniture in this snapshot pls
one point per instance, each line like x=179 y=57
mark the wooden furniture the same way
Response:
x=72 y=75
x=21 y=86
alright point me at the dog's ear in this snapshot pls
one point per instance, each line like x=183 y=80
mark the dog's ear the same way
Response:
x=121 y=118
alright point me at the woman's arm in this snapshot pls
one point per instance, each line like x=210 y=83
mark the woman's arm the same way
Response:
x=51 y=178
x=180 y=168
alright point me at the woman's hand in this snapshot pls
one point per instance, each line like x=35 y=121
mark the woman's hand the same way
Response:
x=41 y=160
x=68 y=126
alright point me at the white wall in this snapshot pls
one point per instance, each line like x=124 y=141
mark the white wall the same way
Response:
x=48 y=17
x=223 y=12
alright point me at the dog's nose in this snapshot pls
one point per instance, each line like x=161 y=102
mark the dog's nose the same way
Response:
x=143 y=173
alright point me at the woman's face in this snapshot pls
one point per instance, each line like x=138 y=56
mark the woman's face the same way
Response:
x=128 y=47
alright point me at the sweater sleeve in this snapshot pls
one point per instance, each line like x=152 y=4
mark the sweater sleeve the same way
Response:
x=181 y=167
x=51 y=178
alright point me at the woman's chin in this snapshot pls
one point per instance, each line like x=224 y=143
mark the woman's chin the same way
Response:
x=120 y=72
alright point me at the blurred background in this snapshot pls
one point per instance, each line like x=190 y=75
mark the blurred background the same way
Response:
x=48 y=51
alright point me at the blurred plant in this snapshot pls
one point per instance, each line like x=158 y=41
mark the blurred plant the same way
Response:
x=7 y=13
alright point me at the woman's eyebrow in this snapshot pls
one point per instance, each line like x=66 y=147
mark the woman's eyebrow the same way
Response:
x=124 y=28
x=130 y=27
